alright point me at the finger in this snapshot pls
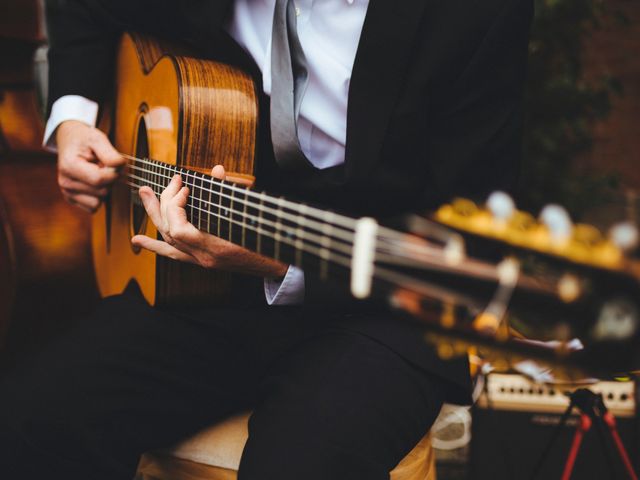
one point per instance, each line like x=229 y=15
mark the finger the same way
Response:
x=161 y=248
x=176 y=213
x=83 y=171
x=218 y=172
x=85 y=202
x=73 y=187
x=179 y=227
x=151 y=205
x=104 y=151
x=172 y=189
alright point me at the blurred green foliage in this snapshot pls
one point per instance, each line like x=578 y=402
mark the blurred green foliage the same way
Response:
x=562 y=107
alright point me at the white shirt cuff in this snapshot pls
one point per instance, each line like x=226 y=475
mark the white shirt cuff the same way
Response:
x=69 y=107
x=290 y=291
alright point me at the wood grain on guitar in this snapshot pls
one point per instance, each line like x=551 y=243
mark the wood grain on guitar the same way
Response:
x=181 y=111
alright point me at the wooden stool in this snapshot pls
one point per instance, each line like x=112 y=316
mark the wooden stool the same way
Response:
x=214 y=454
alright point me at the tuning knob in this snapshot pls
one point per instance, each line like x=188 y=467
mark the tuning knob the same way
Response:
x=624 y=236
x=558 y=221
x=501 y=206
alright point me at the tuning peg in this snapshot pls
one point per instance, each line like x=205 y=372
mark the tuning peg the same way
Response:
x=501 y=206
x=558 y=221
x=624 y=236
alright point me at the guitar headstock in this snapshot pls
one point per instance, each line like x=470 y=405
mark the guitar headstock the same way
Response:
x=552 y=234
x=544 y=277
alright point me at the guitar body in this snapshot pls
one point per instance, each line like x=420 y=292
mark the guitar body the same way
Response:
x=182 y=111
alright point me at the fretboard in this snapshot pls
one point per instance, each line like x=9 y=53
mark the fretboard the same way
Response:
x=290 y=232
x=322 y=243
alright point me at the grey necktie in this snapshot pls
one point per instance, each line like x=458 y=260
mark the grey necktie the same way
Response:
x=289 y=79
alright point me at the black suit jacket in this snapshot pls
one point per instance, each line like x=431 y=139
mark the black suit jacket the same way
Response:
x=435 y=107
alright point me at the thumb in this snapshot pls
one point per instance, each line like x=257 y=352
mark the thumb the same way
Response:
x=218 y=172
x=104 y=151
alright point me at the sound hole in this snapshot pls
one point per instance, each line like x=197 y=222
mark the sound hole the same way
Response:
x=138 y=213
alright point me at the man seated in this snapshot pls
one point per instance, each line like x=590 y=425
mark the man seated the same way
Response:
x=405 y=104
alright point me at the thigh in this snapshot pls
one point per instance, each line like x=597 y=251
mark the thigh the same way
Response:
x=130 y=378
x=340 y=406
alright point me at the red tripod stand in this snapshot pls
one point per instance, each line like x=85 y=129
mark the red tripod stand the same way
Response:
x=592 y=411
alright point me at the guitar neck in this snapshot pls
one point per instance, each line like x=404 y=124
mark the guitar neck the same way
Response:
x=315 y=240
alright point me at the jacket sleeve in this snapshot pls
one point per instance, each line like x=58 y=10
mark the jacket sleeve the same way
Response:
x=83 y=36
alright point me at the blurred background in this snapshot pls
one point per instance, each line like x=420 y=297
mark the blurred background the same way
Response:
x=583 y=105
x=581 y=149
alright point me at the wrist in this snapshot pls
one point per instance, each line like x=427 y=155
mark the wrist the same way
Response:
x=68 y=130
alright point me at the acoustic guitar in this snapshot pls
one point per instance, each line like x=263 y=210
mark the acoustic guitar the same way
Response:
x=175 y=114
x=181 y=115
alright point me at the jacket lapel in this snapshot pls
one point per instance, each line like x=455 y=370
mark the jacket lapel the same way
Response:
x=383 y=54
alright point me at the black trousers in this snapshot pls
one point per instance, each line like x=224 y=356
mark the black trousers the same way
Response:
x=329 y=403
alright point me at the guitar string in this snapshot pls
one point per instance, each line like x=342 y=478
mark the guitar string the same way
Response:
x=384 y=234
x=404 y=254
x=381 y=254
x=342 y=248
x=340 y=234
x=339 y=220
x=393 y=278
x=306 y=247
x=298 y=217
x=242 y=214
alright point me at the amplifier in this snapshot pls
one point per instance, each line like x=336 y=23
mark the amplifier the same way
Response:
x=515 y=418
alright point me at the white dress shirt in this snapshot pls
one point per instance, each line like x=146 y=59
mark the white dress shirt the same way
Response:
x=329 y=32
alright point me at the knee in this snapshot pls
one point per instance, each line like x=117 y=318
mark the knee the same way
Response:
x=39 y=423
x=292 y=457
x=19 y=458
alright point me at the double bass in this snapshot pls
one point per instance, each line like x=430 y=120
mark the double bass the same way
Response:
x=45 y=266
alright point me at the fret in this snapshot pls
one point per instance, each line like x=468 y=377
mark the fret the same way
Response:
x=225 y=211
x=169 y=172
x=220 y=191
x=325 y=250
x=260 y=219
x=233 y=193
x=165 y=177
x=154 y=176
x=199 y=187
x=299 y=242
x=244 y=218
x=278 y=235
x=157 y=178
x=144 y=174
x=210 y=204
